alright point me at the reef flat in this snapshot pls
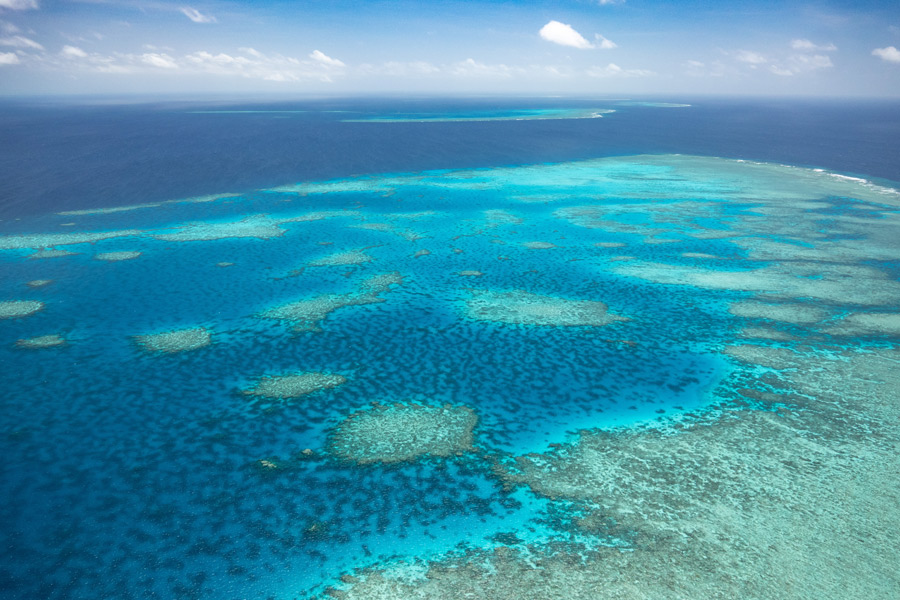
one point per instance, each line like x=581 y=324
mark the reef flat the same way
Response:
x=294 y=385
x=519 y=307
x=308 y=314
x=41 y=341
x=403 y=432
x=180 y=340
x=14 y=309
x=709 y=506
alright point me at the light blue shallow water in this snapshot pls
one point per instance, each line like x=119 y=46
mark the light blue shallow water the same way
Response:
x=129 y=473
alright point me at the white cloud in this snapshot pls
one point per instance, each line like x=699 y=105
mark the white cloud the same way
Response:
x=8 y=58
x=252 y=52
x=163 y=61
x=564 y=35
x=400 y=69
x=804 y=44
x=889 y=54
x=781 y=71
x=472 y=68
x=18 y=41
x=320 y=57
x=19 y=5
x=805 y=62
x=269 y=67
x=8 y=27
x=73 y=52
x=194 y=15
x=751 y=58
x=614 y=70
x=603 y=43
x=800 y=63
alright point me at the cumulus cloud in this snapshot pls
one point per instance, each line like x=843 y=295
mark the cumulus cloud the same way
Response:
x=19 y=4
x=252 y=52
x=603 y=43
x=614 y=70
x=564 y=35
x=18 y=41
x=803 y=44
x=751 y=58
x=9 y=58
x=73 y=52
x=247 y=63
x=473 y=68
x=696 y=68
x=320 y=57
x=800 y=63
x=194 y=15
x=781 y=71
x=163 y=61
x=253 y=64
x=805 y=62
x=889 y=54
x=400 y=69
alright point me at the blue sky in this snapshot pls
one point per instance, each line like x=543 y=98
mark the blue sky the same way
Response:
x=579 y=47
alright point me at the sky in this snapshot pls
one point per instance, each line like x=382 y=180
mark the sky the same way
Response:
x=342 y=47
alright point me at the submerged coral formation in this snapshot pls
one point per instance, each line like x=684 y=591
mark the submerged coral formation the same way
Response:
x=403 y=432
x=800 y=314
x=51 y=253
x=13 y=309
x=45 y=241
x=350 y=257
x=42 y=341
x=539 y=245
x=525 y=308
x=180 y=340
x=308 y=314
x=876 y=323
x=118 y=256
x=746 y=504
x=294 y=385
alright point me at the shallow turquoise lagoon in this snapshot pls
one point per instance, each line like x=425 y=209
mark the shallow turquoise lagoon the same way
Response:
x=178 y=376
x=524 y=114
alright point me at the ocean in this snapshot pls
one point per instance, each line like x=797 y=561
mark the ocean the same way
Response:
x=448 y=348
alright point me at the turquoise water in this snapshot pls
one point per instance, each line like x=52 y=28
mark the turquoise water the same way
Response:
x=523 y=114
x=547 y=299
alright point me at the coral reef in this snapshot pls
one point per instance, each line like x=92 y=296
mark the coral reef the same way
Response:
x=13 y=309
x=525 y=308
x=180 y=340
x=402 y=432
x=294 y=385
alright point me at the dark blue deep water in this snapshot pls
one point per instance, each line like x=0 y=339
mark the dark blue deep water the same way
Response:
x=131 y=473
x=56 y=156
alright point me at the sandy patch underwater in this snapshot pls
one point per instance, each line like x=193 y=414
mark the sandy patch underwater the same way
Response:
x=663 y=358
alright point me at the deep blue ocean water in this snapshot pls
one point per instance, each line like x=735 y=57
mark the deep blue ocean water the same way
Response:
x=56 y=156
x=130 y=474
